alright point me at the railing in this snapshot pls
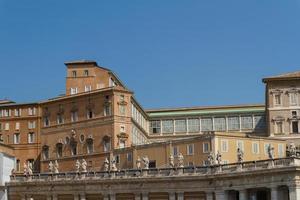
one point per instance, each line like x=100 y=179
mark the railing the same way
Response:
x=161 y=172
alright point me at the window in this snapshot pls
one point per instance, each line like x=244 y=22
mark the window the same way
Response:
x=30 y=137
x=240 y=145
x=17 y=112
x=246 y=122
x=294 y=113
x=233 y=123
x=295 y=128
x=259 y=122
x=194 y=125
x=74 y=116
x=220 y=124
x=46 y=121
x=74 y=74
x=60 y=119
x=122 y=109
x=167 y=126
x=31 y=124
x=206 y=147
x=31 y=111
x=293 y=99
x=90 y=145
x=280 y=150
x=73 y=148
x=266 y=147
x=6 y=112
x=152 y=164
x=59 y=150
x=129 y=157
x=279 y=127
x=277 y=99
x=87 y=88
x=74 y=90
x=206 y=124
x=1 y=138
x=122 y=129
x=17 y=138
x=175 y=151
x=155 y=127
x=106 y=145
x=122 y=144
x=112 y=83
x=86 y=72
x=89 y=114
x=7 y=126
x=224 y=145
x=180 y=125
x=107 y=110
x=30 y=162
x=45 y=152
x=17 y=126
x=18 y=165
x=190 y=149
x=255 y=147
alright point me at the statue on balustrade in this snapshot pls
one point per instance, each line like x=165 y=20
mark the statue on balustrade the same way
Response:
x=180 y=160
x=84 y=166
x=55 y=167
x=138 y=163
x=113 y=165
x=106 y=165
x=171 y=161
x=25 y=168
x=29 y=169
x=240 y=155
x=146 y=162
x=50 y=167
x=219 y=158
x=292 y=150
x=211 y=159
x=271 y=152
x=77 y=166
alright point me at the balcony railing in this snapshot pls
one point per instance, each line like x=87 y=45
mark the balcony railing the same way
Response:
x=161 y=172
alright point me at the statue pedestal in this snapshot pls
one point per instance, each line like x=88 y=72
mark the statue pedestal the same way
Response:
x=270 y=163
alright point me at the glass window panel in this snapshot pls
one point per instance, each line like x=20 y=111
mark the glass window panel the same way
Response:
x=246 y=122
x=220 y=123
x=167 y=126
x=194 y=125
x=180 y=125
x=233 y=123
x=259 y=122
x=206 y=124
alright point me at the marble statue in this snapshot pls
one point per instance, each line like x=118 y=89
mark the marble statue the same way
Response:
x=180 y=160
x=211 y=159
x=219 y=158
x=25 y=168
x=146 y=162
x=55 y=167
x=29 y=169
x=271 y=152
x=77 y=166
x=171 y=161
x=84 y=165
x=106 y=164
x=113 y=165
x=240 y=155
x=292 y=150
x=138 y=163
x=50 y=167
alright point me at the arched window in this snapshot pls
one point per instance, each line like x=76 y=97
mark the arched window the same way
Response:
x=45 y=152
x=90 y=145
x=106 y=143
x=59 y=150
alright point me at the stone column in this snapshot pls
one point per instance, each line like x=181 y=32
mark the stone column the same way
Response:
x=243 y=194
x=209 y=196
x=180 y=196
x=172 y=196
x=82 y=197
x=294 y=192
x=137 y=196
x=145 y=196
x=220 y=195
x=274 y=193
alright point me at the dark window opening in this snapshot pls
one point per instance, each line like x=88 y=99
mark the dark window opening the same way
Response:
x=295 y=127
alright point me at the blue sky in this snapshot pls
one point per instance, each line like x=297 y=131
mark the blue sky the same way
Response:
x=171 y=53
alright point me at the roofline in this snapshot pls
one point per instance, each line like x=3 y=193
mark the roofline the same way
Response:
x=18 y=104
x=202 y=108
x=265 y=80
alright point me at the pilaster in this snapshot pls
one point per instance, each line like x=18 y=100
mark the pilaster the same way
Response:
x=180 y=196
x=294 y=192
x=274 y=193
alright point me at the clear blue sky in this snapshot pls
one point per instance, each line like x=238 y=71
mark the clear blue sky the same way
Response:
x=171 y=53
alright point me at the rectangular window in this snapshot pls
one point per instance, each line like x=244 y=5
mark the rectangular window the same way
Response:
x=255 y=147
x=30 y=138
x=206 y=124
x=60 y=119
x=31 y=111
x=74 y=116
x=293 y=99
x=18 y=112
x=277 y=99
x=240 y=145
x=6 y=112
x=16 y=138
x=224 y=145
x=74 y=74
x=233 y=123
x=155 y=127
x=220 y=124
x=89 y=114
x=206 y=148
x=7 y=126
x=279 y=127
x=194 y=125
x=74 y=90
x=87 y=88
x=175 y=151
x=266 y=146
x=180 y=125
x=107 y=110
x=31 y=124
x=129 y=157
x=246 y=122
x=46 y=121
x=280 y=150
x=190 y=149
x=259 y=122
x=167 y=126
x=17 y=126
x=1 y=138
x=122 y=109
x=86 y=72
